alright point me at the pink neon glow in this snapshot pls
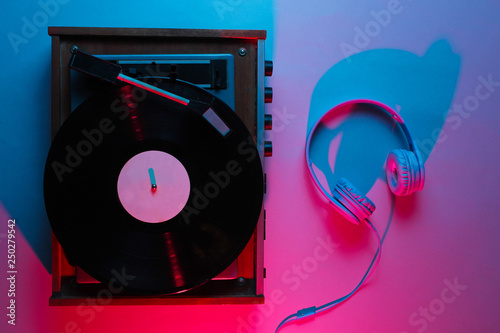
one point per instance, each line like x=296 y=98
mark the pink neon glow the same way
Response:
x=153 y=89
x=128 y=99
x=177 y=273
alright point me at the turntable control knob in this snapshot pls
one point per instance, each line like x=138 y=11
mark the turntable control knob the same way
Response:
x=268 y=122
x=268 y=68
x=268 y=148
x=268 y=95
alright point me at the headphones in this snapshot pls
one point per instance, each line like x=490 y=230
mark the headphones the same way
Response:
x=405 y=175
x=404 y=170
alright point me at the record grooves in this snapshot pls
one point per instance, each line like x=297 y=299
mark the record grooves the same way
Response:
x=87 y=215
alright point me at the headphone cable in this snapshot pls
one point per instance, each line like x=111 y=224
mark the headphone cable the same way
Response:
x=307 y=312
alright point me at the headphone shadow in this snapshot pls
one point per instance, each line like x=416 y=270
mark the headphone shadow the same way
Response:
x=354 y=144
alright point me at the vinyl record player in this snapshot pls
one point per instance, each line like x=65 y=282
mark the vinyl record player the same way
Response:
x=154 y=199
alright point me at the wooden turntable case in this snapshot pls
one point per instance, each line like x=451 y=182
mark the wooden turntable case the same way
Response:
x=249 y=71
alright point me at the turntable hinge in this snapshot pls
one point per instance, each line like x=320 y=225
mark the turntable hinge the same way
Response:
x=265 y=183
x=264 y=225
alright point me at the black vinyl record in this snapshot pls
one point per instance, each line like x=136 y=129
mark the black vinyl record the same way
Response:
x=89 y=220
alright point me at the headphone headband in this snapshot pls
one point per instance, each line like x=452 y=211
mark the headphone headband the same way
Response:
x=394 y=115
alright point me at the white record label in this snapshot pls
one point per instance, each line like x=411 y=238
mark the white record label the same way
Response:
x=153 y=186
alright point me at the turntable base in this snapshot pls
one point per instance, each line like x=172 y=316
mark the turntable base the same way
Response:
x=242 y=282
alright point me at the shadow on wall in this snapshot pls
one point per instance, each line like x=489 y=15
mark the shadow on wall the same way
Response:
x=356 y=146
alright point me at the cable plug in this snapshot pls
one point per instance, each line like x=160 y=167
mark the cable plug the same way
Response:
x=307 y=312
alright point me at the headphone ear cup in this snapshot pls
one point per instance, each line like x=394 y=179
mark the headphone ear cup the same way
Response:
x=404 y=175
x=351 y=203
